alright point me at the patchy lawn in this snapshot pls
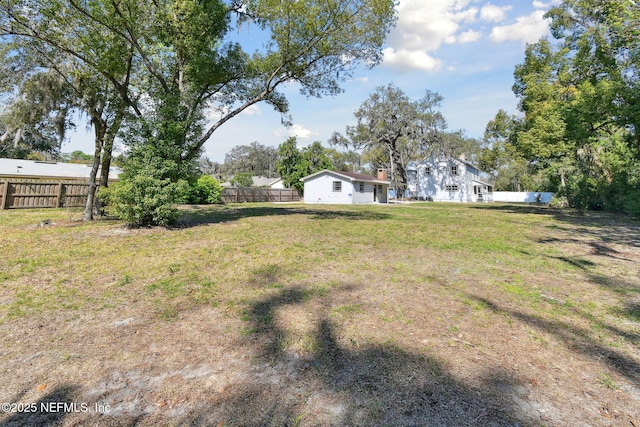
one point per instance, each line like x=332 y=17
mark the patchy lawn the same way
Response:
x=423 y=314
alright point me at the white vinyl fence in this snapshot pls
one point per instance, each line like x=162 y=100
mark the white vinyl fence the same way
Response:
x=521 y=197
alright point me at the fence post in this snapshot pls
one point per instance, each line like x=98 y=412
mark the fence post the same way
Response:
x=59 y=195
x=5 y=190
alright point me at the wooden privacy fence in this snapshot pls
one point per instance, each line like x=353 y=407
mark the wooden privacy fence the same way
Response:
x=253 y=194
x=23 y=194
x=20 y=194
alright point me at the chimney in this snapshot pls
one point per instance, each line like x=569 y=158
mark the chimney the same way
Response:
x=382 y=174
x=463 y=157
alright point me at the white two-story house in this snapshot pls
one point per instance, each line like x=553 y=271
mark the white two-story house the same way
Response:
x=442 y=178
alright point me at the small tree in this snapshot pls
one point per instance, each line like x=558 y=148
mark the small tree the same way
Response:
x=243 y=179
x=294 y=164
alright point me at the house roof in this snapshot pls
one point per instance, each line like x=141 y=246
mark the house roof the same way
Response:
x=48 y=170
x=350 y=176
x=258 y=181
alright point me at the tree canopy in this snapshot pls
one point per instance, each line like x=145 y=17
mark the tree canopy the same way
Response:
x=579 y=95
x=171 y=61
x=255 y=159
x=392 y=130
x=294 y=163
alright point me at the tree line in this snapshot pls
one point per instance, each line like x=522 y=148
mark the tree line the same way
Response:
x=575 y=134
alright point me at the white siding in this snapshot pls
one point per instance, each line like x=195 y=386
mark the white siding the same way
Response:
x=366 y=196
x=319 y=189
x=278 y=184
x=436 y=185
x=433 y=179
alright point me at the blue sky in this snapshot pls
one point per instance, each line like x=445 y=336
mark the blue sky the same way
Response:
x=465 y=50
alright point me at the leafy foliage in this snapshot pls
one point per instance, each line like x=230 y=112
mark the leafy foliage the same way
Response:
x=145 y=200
x=294 y=164
x=255 y=158
x=179 y=50
x=206 y=190
x=392 y=130
x=579 y=136
x=244 y=179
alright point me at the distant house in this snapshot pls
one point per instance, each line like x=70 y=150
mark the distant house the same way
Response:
x=441 y=178
x=277 y=183
x=259 y=181
x=33 y=169
x=344 y=188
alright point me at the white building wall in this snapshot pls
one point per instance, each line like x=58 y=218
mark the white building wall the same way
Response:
x=279 y=184
x=434 y=185
x=320 y=190
x=366 y=196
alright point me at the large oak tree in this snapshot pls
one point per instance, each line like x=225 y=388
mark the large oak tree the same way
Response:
x=184 y=61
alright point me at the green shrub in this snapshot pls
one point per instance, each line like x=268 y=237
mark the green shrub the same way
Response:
x=206 y=190
x=146 y=200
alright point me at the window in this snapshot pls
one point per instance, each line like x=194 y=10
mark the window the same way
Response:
x=361 y=187
x=427 y=170
x=451 y=187
x=337 y=185
x=454 y=170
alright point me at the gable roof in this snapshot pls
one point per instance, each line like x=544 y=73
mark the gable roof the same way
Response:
x=349 y=176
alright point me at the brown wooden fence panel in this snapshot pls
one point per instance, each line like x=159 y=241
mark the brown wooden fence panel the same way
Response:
x=24 y=194
x=74 y=194
x=4 y=186
x=253 y=194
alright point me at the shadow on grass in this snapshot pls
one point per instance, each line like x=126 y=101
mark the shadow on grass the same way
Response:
x=47 y=411
x=576 y=338
x=212 y=214
x=336 y=383
x=604 y=227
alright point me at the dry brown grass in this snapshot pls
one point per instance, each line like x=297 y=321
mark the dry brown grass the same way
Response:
x=429 y=314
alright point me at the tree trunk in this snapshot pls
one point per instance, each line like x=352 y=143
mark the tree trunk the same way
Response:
x=107 y=151
x=99 y=131
x=563 y=185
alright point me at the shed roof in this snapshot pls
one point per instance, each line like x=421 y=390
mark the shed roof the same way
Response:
x=48 y=170
x=351 y=176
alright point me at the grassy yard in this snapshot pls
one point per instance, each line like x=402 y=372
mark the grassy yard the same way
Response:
x=260 y=314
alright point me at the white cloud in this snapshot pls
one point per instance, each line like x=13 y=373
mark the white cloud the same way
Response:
x=469 y=36
x=407 y=59
x=423 y=27
x=252 y=110
x=542 y=5
x=298 y=131
x=529 y=29
x=492 y=13
x=426 y=25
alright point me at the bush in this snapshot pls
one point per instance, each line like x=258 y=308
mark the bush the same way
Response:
x=559 y=202
x=206 y=190
x=145 y=200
